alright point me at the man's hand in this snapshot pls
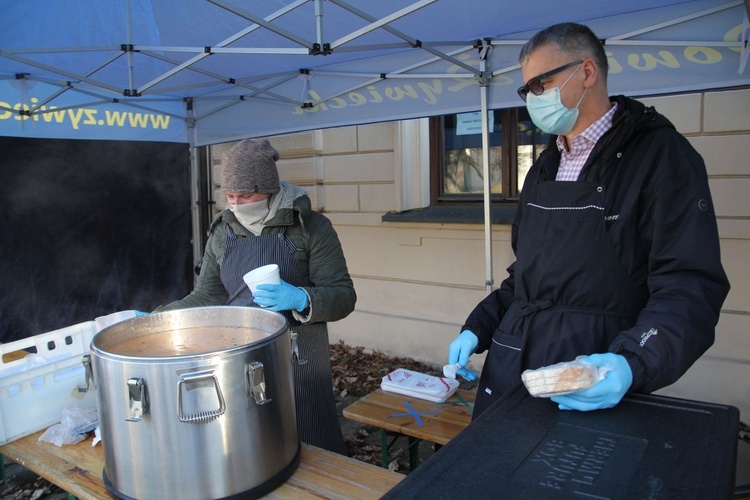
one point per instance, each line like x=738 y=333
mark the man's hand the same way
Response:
x=459 y=351
x=606 y=393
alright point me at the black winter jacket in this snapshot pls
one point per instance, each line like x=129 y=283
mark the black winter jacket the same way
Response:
x=661 y=224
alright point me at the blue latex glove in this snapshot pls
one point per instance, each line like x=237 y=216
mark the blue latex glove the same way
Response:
x=281 y=297
x=606 y=393
x=459 y=351
x=140 y=313
x=467 y=374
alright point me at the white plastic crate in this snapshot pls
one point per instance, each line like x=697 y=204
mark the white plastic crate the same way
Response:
x=34 y=390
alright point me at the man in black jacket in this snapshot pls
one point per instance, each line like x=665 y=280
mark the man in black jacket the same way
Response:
x=615 y=237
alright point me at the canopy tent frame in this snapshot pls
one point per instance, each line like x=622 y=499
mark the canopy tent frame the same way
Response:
x=129 y=96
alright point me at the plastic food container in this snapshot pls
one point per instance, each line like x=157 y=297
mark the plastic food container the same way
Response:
x=419 y=385
x=39 y=376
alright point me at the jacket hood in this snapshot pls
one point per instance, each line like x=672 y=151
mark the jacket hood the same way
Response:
x=288 y=195
x=286 y=202
x=633 y=117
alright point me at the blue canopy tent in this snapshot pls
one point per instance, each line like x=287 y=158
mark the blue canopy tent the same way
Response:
x=210 y=71
x=203 y=72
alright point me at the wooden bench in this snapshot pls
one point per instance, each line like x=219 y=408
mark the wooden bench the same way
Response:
x=321 y=474
x=387 y=411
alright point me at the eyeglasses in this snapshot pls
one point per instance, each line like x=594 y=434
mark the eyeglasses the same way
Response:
x=535 y=86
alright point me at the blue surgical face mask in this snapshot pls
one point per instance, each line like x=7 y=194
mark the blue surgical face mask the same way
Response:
x=549 y=113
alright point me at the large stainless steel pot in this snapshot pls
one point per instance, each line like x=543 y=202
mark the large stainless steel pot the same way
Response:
x=196 y=403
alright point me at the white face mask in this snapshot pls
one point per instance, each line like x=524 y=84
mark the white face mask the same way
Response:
x=250 y=213
x=549 y=113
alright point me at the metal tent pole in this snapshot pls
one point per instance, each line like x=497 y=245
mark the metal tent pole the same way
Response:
x=195 y=190
x=483 y=87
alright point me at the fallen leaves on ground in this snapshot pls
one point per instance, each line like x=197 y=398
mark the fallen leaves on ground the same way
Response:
x=358 y=373
x=25 y=486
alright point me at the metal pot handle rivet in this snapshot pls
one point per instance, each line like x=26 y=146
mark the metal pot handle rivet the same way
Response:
x=256 y=382
x=202 y=416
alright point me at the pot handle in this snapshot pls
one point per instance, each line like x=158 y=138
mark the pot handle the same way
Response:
x=256 y=382
x=137 y=404
x=88 y=374
x=295 y=348
x=202 y=416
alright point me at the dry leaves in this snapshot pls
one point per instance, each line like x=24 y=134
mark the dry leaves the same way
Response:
x=23 y=485
x=357 y=373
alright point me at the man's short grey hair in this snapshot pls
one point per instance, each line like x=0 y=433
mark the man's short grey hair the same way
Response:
x=575 y=39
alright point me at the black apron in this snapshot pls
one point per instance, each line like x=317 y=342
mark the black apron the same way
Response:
x=317 y=420
x=572 y=295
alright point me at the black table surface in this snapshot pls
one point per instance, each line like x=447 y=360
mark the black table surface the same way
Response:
x=647 y=446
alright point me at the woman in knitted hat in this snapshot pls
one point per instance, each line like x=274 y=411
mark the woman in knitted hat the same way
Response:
x=271 y=222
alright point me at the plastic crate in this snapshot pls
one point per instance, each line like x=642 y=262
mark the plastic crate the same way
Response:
x=35 y=389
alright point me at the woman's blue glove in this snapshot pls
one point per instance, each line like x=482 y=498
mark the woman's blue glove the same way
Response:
x=140 y=313
x=604 y=394
x=459 y=351
x=282 y=297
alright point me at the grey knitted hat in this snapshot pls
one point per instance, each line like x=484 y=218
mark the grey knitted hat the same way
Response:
x=250 y=167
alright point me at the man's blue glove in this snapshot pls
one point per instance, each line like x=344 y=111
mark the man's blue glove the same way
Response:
x=459 y=351
x=604 y=394
x=140 y=313
x=467 y=374
x=281 y=297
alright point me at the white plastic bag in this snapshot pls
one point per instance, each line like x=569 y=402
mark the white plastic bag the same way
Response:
x=75 y=424
x=562 y=378
x=97 y=436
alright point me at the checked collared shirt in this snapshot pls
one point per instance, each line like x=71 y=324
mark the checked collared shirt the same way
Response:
x=572 y=162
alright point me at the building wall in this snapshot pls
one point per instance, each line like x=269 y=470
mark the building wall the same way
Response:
x=417 y=282
x=718 y=126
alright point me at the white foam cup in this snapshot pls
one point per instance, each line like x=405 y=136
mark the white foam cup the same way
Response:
x=261 y=275
x=450 y=370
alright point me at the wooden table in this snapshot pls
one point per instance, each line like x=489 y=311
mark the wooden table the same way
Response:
x=387 y=411
x=321 y=474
